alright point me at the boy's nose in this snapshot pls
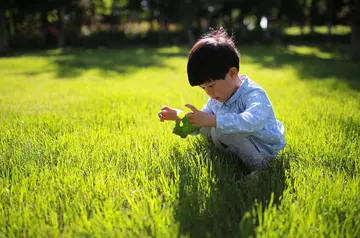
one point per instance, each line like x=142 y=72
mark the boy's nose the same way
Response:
x=209 y=94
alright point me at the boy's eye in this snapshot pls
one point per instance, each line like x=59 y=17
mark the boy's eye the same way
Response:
x=209 y=86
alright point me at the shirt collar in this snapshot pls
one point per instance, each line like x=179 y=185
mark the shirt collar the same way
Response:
x=238 y=92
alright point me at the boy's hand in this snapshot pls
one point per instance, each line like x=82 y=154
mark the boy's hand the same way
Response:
x=200 y=118
x=169 y=114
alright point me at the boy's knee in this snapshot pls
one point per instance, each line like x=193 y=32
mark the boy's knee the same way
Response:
x=206 y=135
x=205 y=131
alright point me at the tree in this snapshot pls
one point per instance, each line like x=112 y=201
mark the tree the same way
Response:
x=4 y=41
x=4 y=45
x=355 y=27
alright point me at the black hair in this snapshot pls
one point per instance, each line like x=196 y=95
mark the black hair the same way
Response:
x=211 y=57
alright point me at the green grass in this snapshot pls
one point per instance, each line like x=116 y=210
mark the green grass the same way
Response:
x=82 y=152
x=336 y=30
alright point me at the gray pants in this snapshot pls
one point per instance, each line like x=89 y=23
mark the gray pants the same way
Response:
x=238 y=145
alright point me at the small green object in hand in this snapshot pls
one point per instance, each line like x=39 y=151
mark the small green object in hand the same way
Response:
x=184 y=128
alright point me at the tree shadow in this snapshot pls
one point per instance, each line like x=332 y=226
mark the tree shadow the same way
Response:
x=220 y=202
x=316 y=62
x=72 y=63
x=310 y=62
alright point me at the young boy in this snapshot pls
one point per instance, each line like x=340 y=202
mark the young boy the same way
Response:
x=238 y=117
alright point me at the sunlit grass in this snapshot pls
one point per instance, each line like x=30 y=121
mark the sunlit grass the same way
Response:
x=336 y=30
x=82 y=152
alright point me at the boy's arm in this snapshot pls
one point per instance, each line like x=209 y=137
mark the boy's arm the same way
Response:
x=253 y=119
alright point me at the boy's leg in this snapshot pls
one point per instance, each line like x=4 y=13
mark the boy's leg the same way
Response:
x=239 y=145
x=206 y=135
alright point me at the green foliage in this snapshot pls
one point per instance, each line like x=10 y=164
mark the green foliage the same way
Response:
x=27 y=24
x=184 y=128
x=82 y=151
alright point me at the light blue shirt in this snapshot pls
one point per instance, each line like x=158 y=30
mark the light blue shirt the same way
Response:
x=249 y=112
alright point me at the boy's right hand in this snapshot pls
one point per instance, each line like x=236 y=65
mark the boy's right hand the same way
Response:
x=168 y=114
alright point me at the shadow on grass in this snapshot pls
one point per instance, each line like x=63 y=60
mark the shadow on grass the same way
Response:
x=320 y=62
x=316 y=62
x=217 y=197
x=71 y=63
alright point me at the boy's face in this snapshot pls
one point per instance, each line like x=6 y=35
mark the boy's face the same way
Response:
x=221 y=89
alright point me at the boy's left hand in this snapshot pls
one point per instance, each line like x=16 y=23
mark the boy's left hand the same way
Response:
x=200 y=118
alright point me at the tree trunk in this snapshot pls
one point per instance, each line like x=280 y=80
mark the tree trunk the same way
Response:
x=302 y=29
x=267 y=30
x=151 y=19
x=8 y=25
x=355 y=29
x=60 y=30
x=227 y=19
x=4 y=44
x=312 y=16
x=114 y=16
x=190 y=36
x=330 y=6
x=44 y=26
x=242 y=28
x=187 y=20
x=355 y=41
x=163 y=30
x=329 y=27
x=91 y=20
x=258 y=20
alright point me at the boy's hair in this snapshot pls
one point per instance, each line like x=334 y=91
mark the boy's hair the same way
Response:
x=211 y=57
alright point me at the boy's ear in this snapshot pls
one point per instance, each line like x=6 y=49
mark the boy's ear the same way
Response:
x=233 y=72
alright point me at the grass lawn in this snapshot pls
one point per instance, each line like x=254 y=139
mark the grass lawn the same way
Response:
x=82 y=152
x=336 y=30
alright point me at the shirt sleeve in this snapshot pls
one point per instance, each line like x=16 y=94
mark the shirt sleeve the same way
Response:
x=253 y=119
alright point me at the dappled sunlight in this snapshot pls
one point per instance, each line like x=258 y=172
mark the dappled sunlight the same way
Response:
x=310 y=62
x=313 y=51
x=336 y=30
x=74 y=63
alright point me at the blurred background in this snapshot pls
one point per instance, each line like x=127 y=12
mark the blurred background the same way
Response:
x=44 y=24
